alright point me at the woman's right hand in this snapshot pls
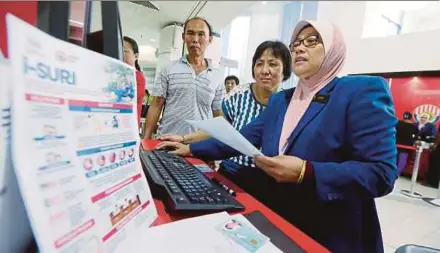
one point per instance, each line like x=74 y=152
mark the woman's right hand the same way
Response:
x=178 y=148
x=170 y=137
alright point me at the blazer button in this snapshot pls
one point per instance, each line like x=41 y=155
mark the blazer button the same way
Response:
x=330 y=196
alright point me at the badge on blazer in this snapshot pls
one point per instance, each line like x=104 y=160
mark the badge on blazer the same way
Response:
x=320 y=98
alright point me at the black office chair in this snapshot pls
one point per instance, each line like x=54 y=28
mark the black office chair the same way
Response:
x=411 y=248
x=425 y=138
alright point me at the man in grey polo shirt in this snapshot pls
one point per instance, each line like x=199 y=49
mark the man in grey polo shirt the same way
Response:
x=187 y=89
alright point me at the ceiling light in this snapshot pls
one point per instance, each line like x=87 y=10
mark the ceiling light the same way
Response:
x=264 y=2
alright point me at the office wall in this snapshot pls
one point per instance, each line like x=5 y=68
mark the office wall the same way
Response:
x=265 y=24
x=269 y=21
x=406 y=52
x=416 y=95
x=422 y=19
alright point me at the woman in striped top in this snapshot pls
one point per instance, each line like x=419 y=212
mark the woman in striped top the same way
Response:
x=271 y=65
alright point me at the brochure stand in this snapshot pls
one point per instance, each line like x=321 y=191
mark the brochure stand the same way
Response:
x=434 y=201
x=421 y=145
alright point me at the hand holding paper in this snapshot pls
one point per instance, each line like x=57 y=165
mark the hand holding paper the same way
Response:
x=220 y=129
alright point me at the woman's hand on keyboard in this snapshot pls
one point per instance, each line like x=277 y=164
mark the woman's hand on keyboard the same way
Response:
x=170 y=137
x=175 y=148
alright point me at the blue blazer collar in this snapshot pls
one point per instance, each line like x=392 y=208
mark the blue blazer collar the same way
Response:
x=311 y=112
x=326 y=90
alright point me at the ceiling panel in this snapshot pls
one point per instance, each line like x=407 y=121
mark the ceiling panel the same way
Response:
x=176 y=10
x=220 y=13
x=144 y=24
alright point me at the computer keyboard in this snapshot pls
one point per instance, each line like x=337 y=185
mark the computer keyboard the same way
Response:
x=183 y=186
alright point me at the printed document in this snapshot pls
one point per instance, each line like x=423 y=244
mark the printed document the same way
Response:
x=76 y=145
x=223 y=131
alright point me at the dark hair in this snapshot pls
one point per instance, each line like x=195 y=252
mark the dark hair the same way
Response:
x=279 y=50
x=135 y=48
x=198 y=18
x=232 y=78
x=407 y=115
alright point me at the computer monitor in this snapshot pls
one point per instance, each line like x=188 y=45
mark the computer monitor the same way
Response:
x=108 y=38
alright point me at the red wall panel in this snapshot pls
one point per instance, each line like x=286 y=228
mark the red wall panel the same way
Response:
x=26 y=10
x=417 y=95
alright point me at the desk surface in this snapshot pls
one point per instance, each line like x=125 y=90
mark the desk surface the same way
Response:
x=251 y=204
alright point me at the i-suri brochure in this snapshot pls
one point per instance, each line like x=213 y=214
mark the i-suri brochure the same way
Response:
x=76 y=144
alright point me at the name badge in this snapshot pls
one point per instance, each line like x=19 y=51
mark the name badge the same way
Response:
x=320 y=98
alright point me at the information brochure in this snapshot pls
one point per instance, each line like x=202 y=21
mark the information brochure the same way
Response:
x=16 y=232
x=75 y=145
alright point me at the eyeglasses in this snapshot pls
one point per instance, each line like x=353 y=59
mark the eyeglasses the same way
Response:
x=310 y=41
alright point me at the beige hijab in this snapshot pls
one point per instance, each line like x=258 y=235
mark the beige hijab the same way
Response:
x=306 y=89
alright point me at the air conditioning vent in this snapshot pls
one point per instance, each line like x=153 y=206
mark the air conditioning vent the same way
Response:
x=147 y=4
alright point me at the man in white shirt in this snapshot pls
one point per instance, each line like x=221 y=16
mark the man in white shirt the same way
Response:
x=187 y=89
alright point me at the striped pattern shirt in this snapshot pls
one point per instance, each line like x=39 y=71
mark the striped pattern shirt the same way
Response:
x=240 y=108
x=187 y=96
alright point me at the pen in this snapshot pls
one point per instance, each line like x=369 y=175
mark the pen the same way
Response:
x=227 y=189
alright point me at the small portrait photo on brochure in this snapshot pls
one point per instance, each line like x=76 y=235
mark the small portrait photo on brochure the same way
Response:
x=121 y=86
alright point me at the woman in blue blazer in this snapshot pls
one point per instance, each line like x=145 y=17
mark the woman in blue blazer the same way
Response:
x=329 y=146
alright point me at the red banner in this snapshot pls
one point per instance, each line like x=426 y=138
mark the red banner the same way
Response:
x=417 y=95
x=24 y=10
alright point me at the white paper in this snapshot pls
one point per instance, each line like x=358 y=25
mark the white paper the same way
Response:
x=223 y=131
x=76 y=144
x=195 y=235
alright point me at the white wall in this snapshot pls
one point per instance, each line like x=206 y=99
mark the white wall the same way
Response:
x=424 y=18
x=265 y=24
x=407 y=52
x=171 y=45
x=214 y=51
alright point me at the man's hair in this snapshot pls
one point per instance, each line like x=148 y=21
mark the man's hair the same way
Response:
x=280 y=51
x=198 y=18
x=407 y=115
x=237 y=82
